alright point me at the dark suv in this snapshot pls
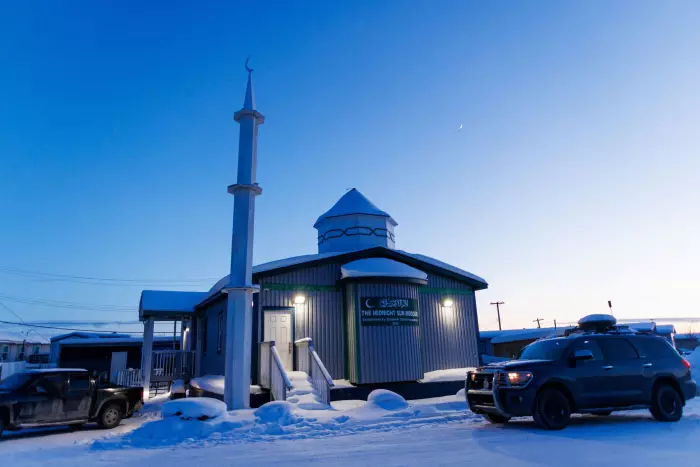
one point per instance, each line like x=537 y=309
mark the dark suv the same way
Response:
x=589 y=371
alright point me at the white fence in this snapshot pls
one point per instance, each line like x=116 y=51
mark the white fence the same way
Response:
x=129 y=378
x=169 y=365
x=309 y=362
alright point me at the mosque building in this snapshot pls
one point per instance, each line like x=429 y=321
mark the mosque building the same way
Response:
x=375 y=314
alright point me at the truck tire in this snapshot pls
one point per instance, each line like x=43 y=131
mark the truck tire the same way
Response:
x=110 y=416
x=495 y=418
x=552 y=410
x=666 y=404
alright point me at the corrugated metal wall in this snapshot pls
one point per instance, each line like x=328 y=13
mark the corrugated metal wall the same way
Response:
x=388 y=353
x=213 y=360
x=351 y=323
x=445 y=339
x=449 y=336
x=320 y=317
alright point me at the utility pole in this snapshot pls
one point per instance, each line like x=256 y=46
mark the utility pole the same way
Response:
x=498 y=310
x=610 y=306
x=538 y=322
x=555 y=324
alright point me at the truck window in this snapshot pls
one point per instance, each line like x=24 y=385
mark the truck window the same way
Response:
x=50 y=384
x=587 y=344
x=79 y=383
x=655 y=347
x=616 y=348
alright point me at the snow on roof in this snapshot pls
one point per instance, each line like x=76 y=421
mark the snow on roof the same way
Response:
x=168 y=301
x=440 y=264
x=353 y=202
x=380 y=267
x=514 y=335
x=299 y=260
x=14 y=337
x=124 y=340
x=89 y=335
x=649 y=326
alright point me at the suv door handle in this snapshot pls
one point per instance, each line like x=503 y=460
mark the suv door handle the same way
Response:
x=607 y=367
x=647 y=365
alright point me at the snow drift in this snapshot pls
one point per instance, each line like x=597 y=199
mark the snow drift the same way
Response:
x=386 y=400
x=200 y=408
x=384 y=411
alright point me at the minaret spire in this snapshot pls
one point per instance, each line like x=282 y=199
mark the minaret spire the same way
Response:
x=249 y=101
x=239 y=314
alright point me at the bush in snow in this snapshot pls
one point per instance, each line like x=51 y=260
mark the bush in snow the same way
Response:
x=386 y=400
x=276 y=412
x=200 y=408
x=461 y=394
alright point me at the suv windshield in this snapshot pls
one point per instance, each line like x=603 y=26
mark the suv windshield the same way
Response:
x=14 y=382
x=551 y=349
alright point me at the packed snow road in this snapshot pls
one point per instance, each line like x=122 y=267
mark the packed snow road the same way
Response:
x=625 y=439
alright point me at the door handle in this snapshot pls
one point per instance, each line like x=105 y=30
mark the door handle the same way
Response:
x=647 y=365
x=607 y=367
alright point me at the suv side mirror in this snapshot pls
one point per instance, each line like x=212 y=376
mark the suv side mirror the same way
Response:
x=583 y=355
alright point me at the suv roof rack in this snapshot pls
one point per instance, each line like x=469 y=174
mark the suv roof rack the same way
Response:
x=603 y=324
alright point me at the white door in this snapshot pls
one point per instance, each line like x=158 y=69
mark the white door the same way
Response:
x=278 y=328
x=118 y=363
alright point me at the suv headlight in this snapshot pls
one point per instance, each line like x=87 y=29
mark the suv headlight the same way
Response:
x=519 y=378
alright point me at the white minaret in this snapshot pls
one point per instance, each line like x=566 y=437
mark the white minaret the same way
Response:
x=239 y=320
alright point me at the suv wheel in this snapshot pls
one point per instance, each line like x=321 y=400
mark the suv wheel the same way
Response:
x=495 y=418
x=110 y=417
x=552 y=410
x=666 y=404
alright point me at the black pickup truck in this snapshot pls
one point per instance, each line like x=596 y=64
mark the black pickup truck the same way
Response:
x=63 y=397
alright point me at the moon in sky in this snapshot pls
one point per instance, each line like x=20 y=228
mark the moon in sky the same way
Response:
x=460 y=127
x=367 y=304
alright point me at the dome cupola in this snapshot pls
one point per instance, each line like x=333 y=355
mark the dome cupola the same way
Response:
x=354 y=223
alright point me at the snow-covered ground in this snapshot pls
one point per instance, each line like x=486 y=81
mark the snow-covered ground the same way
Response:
x=384 y=431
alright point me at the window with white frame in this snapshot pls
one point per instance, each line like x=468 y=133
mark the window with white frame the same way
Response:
x=36 y=349
x=21 y=353
x=5 y=355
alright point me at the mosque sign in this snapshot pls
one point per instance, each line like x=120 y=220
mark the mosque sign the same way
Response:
x=388 y=311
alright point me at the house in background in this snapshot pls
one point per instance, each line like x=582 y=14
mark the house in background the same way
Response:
x=687 y=342
x=508 y=343
x=105 y=352
x=15 y=346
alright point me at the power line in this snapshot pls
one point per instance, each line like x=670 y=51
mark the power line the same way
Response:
x=69 y=305
x=61 y=328
x=94 y=279
x=18 y=317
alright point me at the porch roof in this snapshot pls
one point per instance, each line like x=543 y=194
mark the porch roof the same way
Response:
x=168 y=304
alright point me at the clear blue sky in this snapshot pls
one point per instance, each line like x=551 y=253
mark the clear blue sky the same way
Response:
x=574 y=180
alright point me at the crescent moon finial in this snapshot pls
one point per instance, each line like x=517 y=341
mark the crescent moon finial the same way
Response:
x=248 y=69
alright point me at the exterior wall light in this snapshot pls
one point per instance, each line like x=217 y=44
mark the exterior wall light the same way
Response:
x=448 y=303
x=299 y=300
